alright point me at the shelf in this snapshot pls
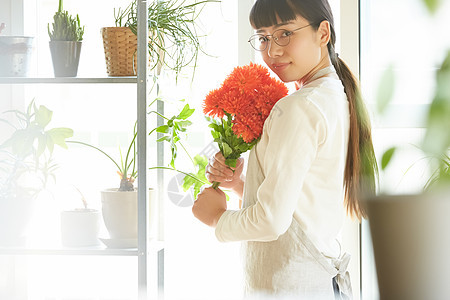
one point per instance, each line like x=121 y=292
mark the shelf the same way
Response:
x=71 y=80
x=69 y=251
x=98 y=250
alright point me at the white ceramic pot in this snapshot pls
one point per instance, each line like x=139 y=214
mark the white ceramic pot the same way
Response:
x=80 y=227
x=120 y=213
x=119 y=210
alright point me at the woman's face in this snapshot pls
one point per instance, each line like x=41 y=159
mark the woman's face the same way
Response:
x=305 y=54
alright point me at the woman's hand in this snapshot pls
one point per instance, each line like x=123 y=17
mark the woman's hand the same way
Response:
x=218 y=171
x=210 y=205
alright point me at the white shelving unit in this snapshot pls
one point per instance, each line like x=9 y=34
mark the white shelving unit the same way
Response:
x=67 y=80
x=146 y=250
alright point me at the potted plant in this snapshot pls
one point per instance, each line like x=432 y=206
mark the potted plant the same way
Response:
x=80 y=227
x=119 y=205
x=65 y=42
x=410 y=232
x=173 y=38
x=15 y=54
x=26 y=166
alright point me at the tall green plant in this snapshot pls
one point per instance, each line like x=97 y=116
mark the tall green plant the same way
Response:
x=65 y=27
x=172 y=130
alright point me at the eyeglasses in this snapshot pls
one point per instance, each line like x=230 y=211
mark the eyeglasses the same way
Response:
x=281 y=37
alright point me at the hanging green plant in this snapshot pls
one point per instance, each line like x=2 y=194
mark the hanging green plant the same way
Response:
x=173 y=40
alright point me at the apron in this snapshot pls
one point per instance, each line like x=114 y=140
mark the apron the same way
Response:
x=293 y=266
x=290 y=266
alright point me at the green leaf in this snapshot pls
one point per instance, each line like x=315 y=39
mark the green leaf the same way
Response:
x=437 y=136
x=215 y=135
x=21 y=142
x=432 y=5
x=188 y=181
x=385 y=89
x=49 y=143
x=226 y=150
x=217 y=128
x=229 y=132
x=186 y=112
x=225 y=126
x=183 y=124
x=231 y=162
x=196 y=181
x=200 y=160
x=164 y=138
x=162 y=129
x=175 y=140
x=58 y=136
x=243 y=147
x=43 y=116
x=42 y=144
x=387 y=156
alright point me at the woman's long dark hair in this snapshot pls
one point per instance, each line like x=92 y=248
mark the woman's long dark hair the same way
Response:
x=361 y=171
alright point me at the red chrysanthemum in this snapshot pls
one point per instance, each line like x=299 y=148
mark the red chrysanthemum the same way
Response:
x=248 y=126
x=242 y=103
x=212 y=105
x=248 y=95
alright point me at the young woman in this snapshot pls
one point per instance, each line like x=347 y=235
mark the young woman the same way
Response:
x=313 y=161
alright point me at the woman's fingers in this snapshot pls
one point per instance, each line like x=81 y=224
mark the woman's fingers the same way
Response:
x=218 y=174
x=218 y=169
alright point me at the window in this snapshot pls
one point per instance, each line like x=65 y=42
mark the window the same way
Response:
x=404 y=35
x=196 y=265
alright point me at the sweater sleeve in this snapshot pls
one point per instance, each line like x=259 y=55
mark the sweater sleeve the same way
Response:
x=295 y=129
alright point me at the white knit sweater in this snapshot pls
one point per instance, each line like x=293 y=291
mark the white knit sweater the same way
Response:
x=302 y=154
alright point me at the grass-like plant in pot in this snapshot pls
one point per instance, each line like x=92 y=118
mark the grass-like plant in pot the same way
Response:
x=26 y=166
x=119 y=205
x=174 y=41
x=66 y=37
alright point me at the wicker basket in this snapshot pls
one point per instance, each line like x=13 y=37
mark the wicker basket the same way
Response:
x=120 y=45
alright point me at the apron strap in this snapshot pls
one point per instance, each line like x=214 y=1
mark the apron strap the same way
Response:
x=337 y=269
x=342 y=278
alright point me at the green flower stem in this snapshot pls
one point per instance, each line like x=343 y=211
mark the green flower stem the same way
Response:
x=187 y=174
x=185 y=150
x=215 y=185
x=152 y=131
x=162 y=116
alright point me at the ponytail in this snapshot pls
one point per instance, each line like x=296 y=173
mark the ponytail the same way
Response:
x=361 y=170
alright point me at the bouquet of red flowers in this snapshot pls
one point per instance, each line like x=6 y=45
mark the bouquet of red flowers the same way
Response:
x=237 y=110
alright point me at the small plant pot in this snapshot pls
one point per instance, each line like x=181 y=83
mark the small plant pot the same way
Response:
x=15 y=55
x=120 y=46
x=80 y=227
x=16 y=214
x=65 y=57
